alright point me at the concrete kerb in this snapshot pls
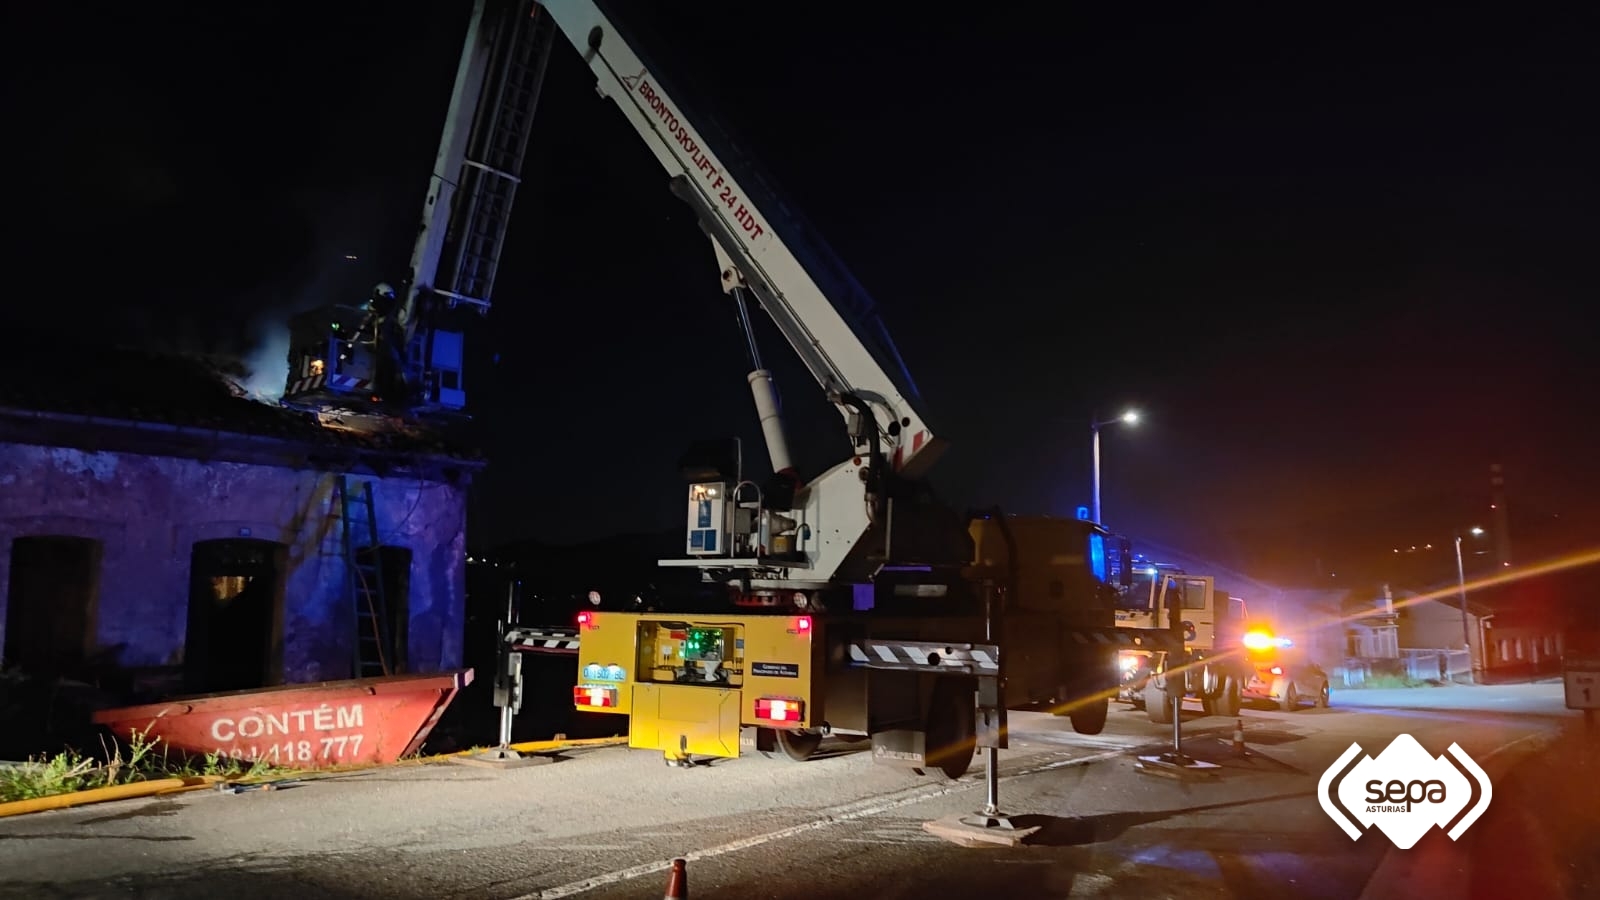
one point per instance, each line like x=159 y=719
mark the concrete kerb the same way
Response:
x=166 y=786
x=134 y=791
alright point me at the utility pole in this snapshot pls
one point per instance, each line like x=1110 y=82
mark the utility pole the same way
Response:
x=1502 y=517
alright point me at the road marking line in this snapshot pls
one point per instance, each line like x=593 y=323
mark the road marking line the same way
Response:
x=833 y=817
x=1090 y=884
x=1537 y=735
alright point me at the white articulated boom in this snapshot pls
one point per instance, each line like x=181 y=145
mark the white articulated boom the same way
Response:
x=906 y=648
x=892 y=443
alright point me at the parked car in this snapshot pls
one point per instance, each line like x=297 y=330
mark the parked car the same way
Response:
x=1283 y=675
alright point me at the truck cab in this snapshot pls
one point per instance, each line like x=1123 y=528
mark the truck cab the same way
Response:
x=1056 y=579
x=1212 y=625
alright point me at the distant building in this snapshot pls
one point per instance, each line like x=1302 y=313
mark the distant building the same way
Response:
x=1507 y=630
x=1529 y=619
x=160 y=533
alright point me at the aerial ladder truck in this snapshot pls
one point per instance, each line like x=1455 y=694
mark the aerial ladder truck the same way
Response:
x=853 y=603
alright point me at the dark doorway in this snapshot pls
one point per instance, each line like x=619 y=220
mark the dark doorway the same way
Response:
x=235 y=594
x=394 y=563
x=52 y=603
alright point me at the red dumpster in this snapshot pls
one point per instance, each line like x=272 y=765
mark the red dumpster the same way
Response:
x=302 y=726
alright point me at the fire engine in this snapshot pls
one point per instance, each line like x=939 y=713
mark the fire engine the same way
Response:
x=1210 y=665
x=852 y=603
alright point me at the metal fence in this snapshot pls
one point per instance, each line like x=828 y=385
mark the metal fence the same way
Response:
x=1412 y=664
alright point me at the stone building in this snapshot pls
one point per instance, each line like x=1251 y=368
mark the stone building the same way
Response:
x=161 y=533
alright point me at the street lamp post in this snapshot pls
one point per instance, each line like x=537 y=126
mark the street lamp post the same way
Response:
x=1461 y=582
x=1130 y=417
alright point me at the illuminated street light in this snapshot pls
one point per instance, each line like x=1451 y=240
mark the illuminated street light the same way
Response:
x=1131 y=417
x=1461 y=581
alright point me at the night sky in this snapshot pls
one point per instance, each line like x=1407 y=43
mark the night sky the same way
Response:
x=1340 y=263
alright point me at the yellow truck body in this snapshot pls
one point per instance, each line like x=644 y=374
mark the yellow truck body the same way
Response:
x=693 y=684
x=690 y=682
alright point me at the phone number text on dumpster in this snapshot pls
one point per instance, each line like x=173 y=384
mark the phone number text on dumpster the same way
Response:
x=292 y=736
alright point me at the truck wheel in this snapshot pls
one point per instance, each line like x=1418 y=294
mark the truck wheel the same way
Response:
x=799 y=745
x=1212 y=685
x=1228 y=702
x=1091 y=719
x=1157 y=705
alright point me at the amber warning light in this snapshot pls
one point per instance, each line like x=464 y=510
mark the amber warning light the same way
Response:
x=1259 y=639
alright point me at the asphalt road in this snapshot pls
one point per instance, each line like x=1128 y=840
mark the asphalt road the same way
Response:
x=605 y=823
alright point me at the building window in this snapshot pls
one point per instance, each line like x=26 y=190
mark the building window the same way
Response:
x=52 y=606
x=235 y=615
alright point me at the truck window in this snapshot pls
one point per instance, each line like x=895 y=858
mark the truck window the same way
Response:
x=1097 y=556
x=1138 y=595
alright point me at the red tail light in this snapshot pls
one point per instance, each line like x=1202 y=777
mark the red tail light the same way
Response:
x=586 y=619
x=774 y=710
x=589 y=695
x=1276 y=670
x=802 y=625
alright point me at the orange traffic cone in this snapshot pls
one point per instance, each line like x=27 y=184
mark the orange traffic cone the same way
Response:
x=1238 y=739
x=678 y=882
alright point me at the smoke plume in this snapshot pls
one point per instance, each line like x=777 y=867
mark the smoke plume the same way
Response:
x=340 y=269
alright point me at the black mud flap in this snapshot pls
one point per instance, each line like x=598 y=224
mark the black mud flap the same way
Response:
x=901 y=747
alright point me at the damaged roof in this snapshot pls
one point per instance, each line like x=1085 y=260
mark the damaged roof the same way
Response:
x=119 y=398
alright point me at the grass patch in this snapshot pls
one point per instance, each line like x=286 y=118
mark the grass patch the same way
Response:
x=147 y=760
x=1387 y=682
